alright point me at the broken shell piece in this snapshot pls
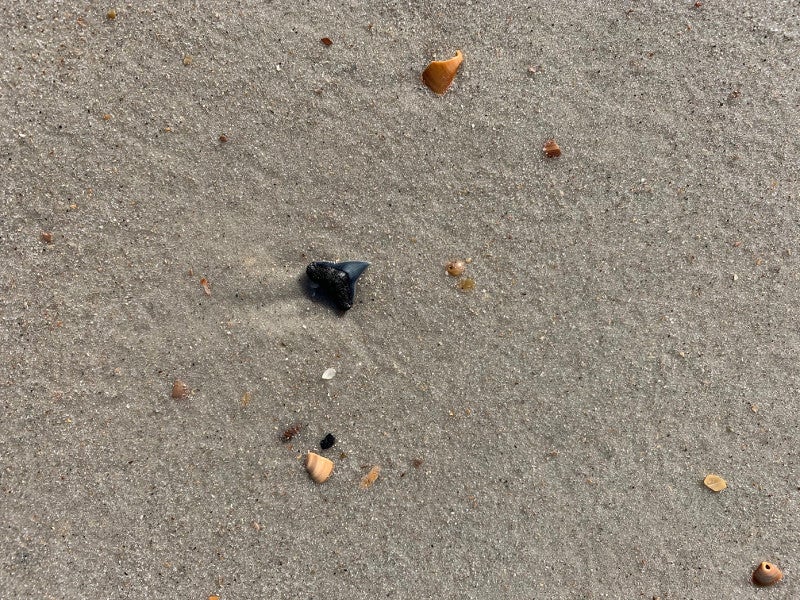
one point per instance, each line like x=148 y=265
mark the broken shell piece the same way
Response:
x=319 y=467
x=715 y=483
x=329 y=373
x=455 y=267
x=370 y=477
x=206 y=286
x=767 y=574
x=440 y=73
x=551 y=149
x=180 y=390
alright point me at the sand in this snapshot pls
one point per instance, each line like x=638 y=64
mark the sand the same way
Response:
x=633 y=326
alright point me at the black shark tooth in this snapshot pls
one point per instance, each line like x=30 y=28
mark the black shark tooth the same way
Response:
x=338 y=280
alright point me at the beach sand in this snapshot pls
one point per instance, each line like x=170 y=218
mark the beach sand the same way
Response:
x=633 y=325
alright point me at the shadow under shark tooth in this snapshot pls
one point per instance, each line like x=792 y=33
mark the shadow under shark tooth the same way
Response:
x=337 y=280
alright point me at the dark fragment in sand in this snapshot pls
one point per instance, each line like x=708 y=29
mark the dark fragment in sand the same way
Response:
x=337 y=280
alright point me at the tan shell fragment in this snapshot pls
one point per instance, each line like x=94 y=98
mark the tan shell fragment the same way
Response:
x=440 y=73
x=180 y=391
x=319 y=467
x=370 y=477
x=715 y=483
x=767 y=574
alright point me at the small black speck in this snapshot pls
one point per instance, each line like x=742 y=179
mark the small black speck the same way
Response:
x=327 y=442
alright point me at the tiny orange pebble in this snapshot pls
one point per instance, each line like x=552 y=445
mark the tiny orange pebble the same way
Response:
x=440 y=73
x=223 y=138
x=46 y=237
x=551 y=149
x=111 y=15
x=767 y=574
x=370 y=477
x=213 y=598
x=327 y=41
x=206 y=286
x=106 y=117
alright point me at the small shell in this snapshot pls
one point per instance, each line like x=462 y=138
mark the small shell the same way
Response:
x=715 y=483
x=440 y=73
x=370 y=477
x=551 y=149
x=319 y=467
x=767 y=574
x=180 y=391
x=455 y=267
x=206 y=286
x=329 y=373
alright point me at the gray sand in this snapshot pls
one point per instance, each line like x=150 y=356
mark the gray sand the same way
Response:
x=634 y=325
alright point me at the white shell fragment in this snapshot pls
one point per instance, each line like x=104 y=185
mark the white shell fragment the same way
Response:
x=329 y=373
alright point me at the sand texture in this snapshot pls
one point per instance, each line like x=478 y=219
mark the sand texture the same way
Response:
x=633 y=326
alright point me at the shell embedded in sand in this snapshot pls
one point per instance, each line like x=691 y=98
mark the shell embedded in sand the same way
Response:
x=440 y=73
x=180 y=391
x=319 y=467
x=370 y=477
x=455 y=267
x=715 y=483
x=767 y=574
x=551 y=149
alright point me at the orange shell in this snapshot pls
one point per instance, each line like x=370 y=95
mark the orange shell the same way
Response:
x=767 y=574
x=440 y=73
x=319 y=467
x=551 y=149
x=715 y=483
x=370 y=477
